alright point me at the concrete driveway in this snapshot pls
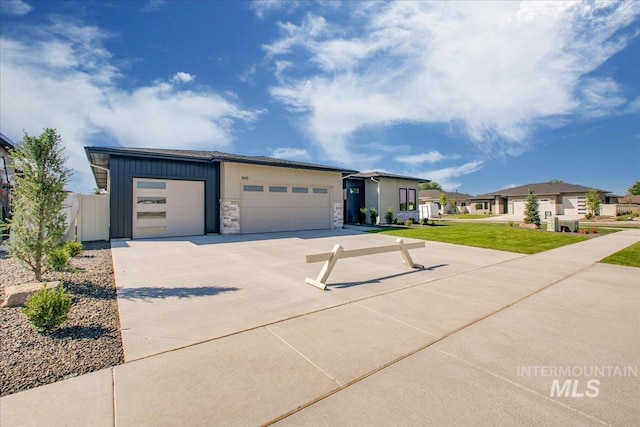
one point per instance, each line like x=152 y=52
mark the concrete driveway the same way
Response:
x=177 y=292
x=223 y=331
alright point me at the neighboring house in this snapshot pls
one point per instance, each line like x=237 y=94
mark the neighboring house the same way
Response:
x=555 y=198
x=6 y=176
x=381 y=191
x=629 y=199
x=161 y=193
x=428 y=197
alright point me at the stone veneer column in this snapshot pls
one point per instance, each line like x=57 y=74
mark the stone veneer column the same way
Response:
x=338 y=214
x=230 y=216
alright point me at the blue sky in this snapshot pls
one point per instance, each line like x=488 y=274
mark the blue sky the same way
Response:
x=477 y=96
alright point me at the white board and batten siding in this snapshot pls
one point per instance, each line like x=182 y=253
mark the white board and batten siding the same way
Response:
x=167 y=208
x=266 y=207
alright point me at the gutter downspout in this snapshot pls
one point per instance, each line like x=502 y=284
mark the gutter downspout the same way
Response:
x=377 y=182
x=108 y=175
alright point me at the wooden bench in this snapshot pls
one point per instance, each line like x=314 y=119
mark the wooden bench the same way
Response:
x=330 y=258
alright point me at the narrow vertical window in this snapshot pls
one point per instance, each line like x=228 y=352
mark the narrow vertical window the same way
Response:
x=412 y=200
x=403 y=199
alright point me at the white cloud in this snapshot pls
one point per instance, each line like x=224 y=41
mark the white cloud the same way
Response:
x=153 y=5
x=430 y=157
x=263 y=7
x=182 y=77
x=496 y=71
x=446 y=176
x=62 y=77
x=15 y=7
x=290 y=153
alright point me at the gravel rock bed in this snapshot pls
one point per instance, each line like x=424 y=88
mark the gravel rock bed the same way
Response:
x=88 y=341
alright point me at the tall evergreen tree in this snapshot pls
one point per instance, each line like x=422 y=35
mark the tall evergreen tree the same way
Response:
x=531 y=212
x=38 y=195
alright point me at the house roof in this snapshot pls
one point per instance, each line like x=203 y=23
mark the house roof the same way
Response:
x=542 y=188
x=100 y=156
x=6 y=142
x=435 y=195
x=377 y=174
x=635 y=200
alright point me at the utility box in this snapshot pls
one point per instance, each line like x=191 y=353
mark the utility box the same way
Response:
x=570 y=226
x=553 y=224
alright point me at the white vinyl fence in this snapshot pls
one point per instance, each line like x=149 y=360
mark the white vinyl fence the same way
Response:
x=617 y=209
x=87 y=217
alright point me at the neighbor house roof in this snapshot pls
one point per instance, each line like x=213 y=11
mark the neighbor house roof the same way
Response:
x=6 y=142
x=435 y=195
x=635 y=200
x=377 y=174
x=542 y=188
x=99 y=156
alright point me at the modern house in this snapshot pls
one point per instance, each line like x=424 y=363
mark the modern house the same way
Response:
x=428 y=197
x=382 y=191
x=161 y=193
x=555 y=198
x=6 y=176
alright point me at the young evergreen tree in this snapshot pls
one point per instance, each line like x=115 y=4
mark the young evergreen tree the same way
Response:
x=38 y=195
x=531 y=213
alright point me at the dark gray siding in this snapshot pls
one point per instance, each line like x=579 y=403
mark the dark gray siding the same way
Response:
x=124 y=169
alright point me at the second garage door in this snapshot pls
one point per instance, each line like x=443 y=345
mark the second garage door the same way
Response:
x=276 y=207
x=164 y=208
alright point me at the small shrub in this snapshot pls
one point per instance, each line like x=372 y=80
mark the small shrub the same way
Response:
x=47 y=309
x=363 y=215
x=511 y=224
x=58 y=259
x=399 y=221
x=583 y=231
x=408 y=223
x=424 y=221
x=373 y=213
x=592 y=230
x=73 y=248
x=388 y=216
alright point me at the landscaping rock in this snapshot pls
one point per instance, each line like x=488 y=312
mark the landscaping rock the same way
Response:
x=15 y=296
x=529 y=226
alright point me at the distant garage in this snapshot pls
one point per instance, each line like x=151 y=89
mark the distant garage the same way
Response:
x=165 y=193
x=519 y=206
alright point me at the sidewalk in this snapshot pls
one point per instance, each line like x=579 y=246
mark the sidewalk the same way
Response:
x=466 y=349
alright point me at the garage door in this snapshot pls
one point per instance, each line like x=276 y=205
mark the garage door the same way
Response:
x=276 y=207
x=164 y=208
x=519 y=206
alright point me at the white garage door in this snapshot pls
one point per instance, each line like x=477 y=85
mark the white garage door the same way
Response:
x=519 y=206
x=276 y=207
x=164 y=208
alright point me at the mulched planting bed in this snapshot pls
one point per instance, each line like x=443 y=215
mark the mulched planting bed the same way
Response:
x=88 y=341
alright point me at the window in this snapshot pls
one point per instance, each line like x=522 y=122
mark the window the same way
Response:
x=354 y=190
x=253 y=188
x=277 y=189
x=154 y=185
x=299 y=190
x=403 y=199
x=149 y=200
x=320 y=191
x=412 y=199
x=151 y=215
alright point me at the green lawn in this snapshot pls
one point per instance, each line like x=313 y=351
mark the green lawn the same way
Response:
x=490 y=236
x=467 y=216
x=629 y=256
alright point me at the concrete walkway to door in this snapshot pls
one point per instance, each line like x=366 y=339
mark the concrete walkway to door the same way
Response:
x=223 y=330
